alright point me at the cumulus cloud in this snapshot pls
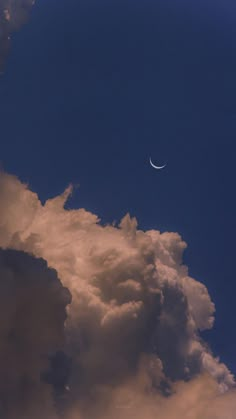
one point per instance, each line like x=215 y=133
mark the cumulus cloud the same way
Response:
x=32 y=301
x=13 y=14
x=192 y=400
x=134 y=323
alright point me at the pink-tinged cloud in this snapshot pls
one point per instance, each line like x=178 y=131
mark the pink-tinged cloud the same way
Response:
x=133 y=327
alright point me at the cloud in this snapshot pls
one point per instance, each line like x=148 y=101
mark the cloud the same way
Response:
x=13 y=14
x=32 y=302
x=133 y=327
x=192 y=400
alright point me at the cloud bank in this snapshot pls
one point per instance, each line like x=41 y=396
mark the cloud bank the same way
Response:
x=132 y=347
x=13 y=14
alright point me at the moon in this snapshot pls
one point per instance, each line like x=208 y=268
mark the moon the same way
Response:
x=156 y=167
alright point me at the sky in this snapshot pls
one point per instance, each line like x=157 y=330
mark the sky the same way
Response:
x=91 y=90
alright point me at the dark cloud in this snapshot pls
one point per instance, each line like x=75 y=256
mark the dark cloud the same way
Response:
x=33 y=310
x=13 y=14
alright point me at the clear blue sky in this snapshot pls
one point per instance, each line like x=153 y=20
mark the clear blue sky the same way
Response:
x=93 y=88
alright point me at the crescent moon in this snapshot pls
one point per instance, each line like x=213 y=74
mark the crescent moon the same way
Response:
x=156 y=167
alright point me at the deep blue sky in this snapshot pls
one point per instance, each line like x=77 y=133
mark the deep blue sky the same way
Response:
x=93 y=88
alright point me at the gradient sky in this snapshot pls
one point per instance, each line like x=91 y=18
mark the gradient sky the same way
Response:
x=93 y=89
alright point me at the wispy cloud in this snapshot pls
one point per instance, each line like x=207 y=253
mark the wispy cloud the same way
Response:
x=13 y=14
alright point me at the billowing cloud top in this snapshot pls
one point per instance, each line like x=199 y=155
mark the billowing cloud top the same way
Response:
x=134 y=323
x=13 y=14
